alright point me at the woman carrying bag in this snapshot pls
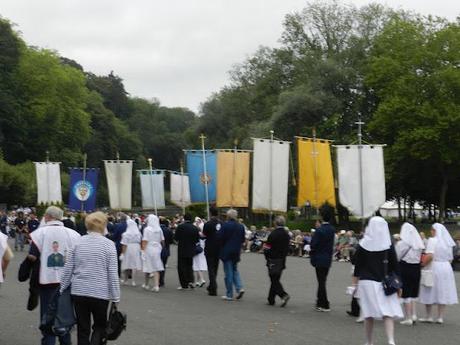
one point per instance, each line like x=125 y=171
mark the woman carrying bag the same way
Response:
x=409 y=251
x=91 y=271
x=375 y=262
x=438 y=281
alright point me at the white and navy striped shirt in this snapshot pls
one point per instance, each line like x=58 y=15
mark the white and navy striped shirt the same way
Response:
x=91 y=269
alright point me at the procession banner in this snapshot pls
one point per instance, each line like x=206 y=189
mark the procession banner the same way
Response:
x=270 y=175
x=119 y=176
x=232 y=179
x=83 y=189
x=197 y=176
x=316 y=178
x=48 y=182
x=152 y=189
x=180 y=189
x=372 y=189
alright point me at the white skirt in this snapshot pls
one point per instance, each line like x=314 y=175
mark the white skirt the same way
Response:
x=444 y=290
x=199 y=261
x=375 y=304
x=132 y=257
x=153 y=261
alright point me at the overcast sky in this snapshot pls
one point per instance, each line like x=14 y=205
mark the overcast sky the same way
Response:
x=179 y=51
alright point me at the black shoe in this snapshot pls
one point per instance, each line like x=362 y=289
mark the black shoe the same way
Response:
x=212 y=293
x=240 y=294
x=285 y=301
x=270 y=303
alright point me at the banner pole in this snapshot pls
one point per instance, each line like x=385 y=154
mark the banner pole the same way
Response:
x=360 y=160
x=48 y=201
x=152 y=189
x=82 y=208
x=270 y=196
x=315 y=154
x=118 y=181
x=205 y=172
x=182 y=203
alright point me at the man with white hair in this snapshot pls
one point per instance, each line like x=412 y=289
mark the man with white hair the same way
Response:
x=232 y=237
x=51 y=243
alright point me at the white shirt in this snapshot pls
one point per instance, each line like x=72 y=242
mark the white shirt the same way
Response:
x=407 y=254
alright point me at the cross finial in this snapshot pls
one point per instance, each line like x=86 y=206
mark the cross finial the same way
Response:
x=202 y=136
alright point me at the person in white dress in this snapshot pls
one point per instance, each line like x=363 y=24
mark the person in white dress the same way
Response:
x=438 y=284
x=152 y=244
x=5 y=256
x=130 y=252
x=199 y=261
x=374 y=256
x=409 y=250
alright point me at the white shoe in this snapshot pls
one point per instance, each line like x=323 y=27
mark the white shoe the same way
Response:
x=155 y=289
x=440 y=321
x=145 y=287
x=225 y=298
x=414 y=318
x=122 y=282
x=407 y=322
x=359 y=320
x=133 y=283
x=426 y=320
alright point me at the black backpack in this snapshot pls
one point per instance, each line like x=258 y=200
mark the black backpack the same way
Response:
x=116 y=323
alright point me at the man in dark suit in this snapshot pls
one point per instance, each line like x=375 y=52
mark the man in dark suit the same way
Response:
x=187 y=236
x=211 y=250
x=232 y=237
x=322 y=245
x=277 y=247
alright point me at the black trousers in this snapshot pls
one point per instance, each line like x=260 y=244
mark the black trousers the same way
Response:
x=213 y=266
x=276 y=289
x=164 y=259
x=85 y=307
x=185 y=271
x=321 y=295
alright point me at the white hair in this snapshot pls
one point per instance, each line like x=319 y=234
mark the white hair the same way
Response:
x=280 y=221
x=54 y=212
x=232 y=214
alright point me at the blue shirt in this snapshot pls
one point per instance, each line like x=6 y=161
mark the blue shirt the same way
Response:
x=231 y=236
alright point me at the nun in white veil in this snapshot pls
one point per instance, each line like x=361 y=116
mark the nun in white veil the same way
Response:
x=152 y=244
x=409 y=250
x=373 y=250
x=441 y=289
x=130 y=252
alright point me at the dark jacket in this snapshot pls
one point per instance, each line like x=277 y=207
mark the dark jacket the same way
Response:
x=118 y=231
x=187 y=236
x=370 y=265
x=210 y=232
x=279 y=244
x=231 y=237
x=322 y=246
x=169 y=239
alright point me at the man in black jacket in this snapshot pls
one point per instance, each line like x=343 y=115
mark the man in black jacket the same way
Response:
x=277 y=247
x=211 y=250
x=187 y=236
x=322 y=245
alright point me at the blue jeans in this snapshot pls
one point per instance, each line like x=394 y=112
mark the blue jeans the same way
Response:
x=46 y=295
x=19 y=241
x=232 y=278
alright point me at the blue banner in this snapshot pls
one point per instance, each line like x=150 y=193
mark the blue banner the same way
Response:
x=82 y=194
x=197 y=177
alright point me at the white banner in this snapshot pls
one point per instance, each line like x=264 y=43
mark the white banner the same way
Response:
x=48 y=182
x=270 y=167
x=180 y=190
x=152 y=189
x=373 y=179
x=119 y=176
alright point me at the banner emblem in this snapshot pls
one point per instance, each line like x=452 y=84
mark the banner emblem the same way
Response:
x=205 y=179
x=83 y=190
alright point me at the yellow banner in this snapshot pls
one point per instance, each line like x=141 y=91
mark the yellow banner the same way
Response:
x=232 y=179
x=316 y=179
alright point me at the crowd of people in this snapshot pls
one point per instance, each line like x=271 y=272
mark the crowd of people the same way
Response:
x=92 y=260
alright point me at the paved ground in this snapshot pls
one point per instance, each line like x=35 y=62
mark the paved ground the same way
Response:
x=174 y=317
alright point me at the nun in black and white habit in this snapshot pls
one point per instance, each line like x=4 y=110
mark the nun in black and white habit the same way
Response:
x=374 y=249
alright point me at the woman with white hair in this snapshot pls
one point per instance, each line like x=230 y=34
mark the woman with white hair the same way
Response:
x=199 y=261
x=376 y=257
x=409 y=250
x=440 y=287
x=152 y=244
x=130 y=252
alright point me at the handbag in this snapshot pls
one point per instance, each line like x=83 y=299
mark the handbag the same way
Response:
x=391 y=282
x=198 y=249
x=426 y=278
x=116 y=323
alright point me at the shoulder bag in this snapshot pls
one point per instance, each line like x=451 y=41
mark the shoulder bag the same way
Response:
x=391 y=282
